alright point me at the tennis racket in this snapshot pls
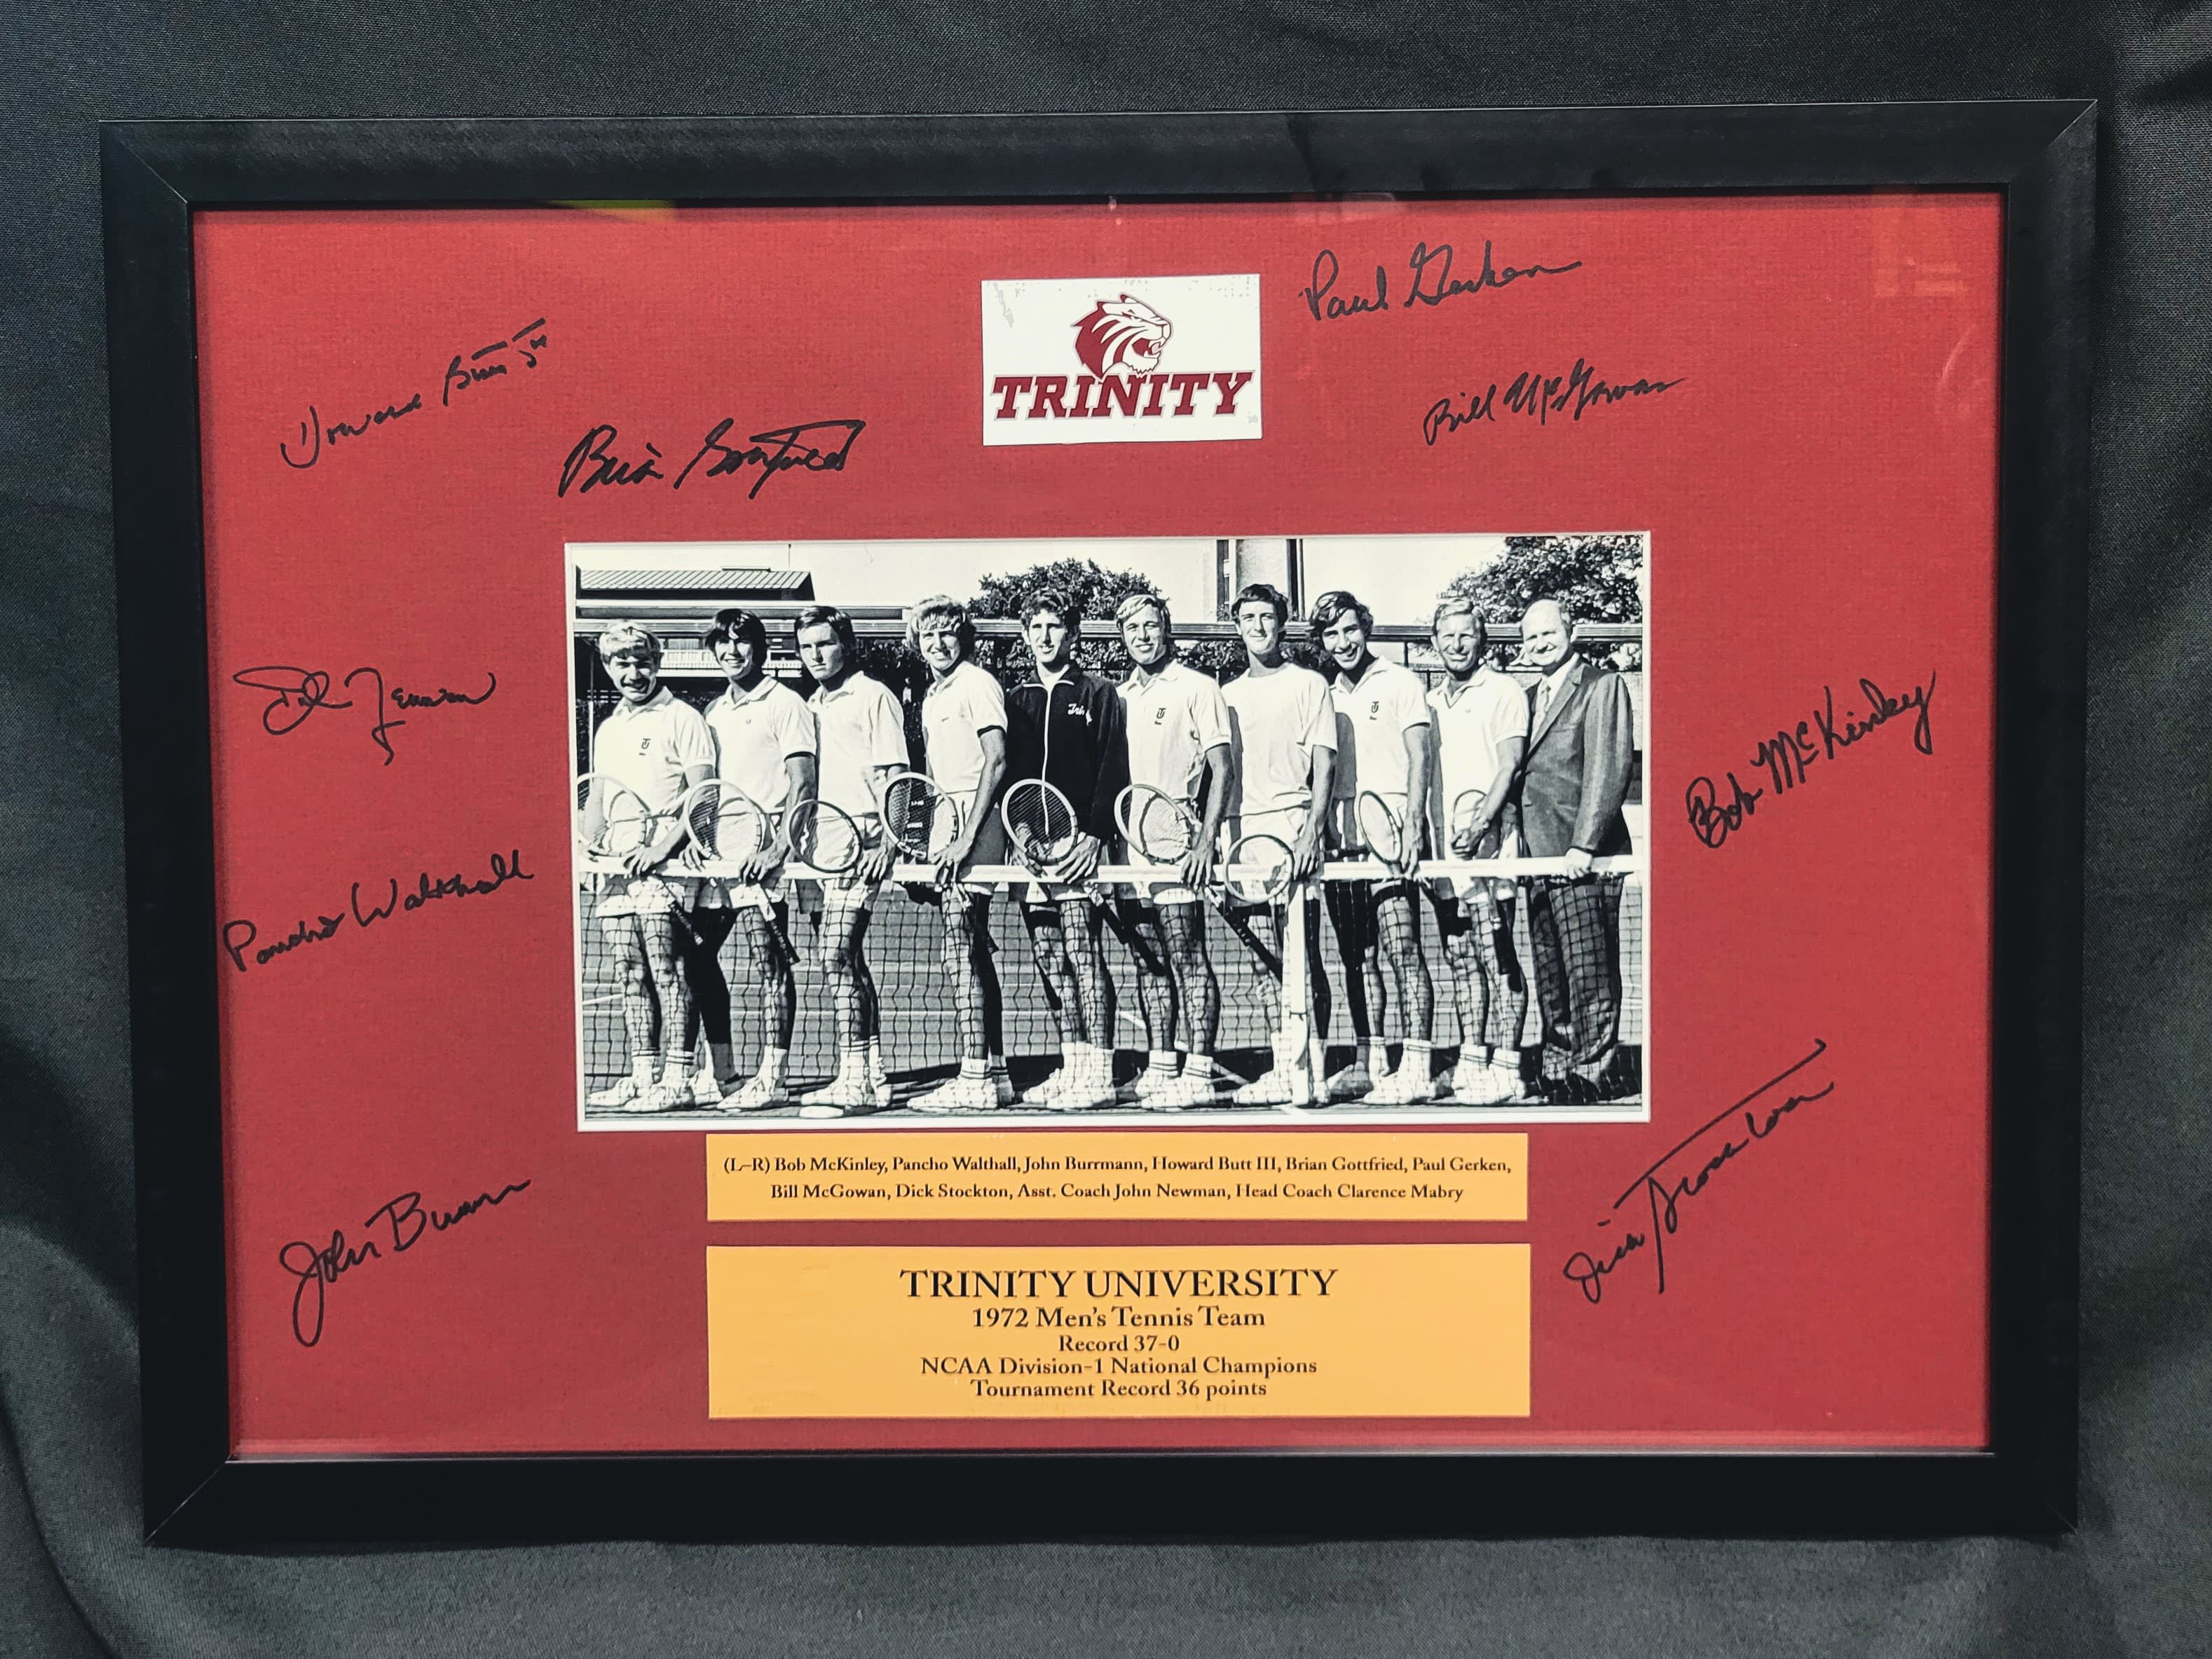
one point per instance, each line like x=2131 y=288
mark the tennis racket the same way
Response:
x=1257 y=871
x=1466 y=811
x=921 y=819
x=613 y=819
x=724 y=825
x=1156 y=825
x=823 y=836
x=1040 y=824
x=1380 y=832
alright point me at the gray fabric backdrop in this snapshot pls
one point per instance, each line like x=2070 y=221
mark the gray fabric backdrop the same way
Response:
x=73 y=1578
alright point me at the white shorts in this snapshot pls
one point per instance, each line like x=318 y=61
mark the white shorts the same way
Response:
x=646 y=895
x=1163 y=892
x=762 y=896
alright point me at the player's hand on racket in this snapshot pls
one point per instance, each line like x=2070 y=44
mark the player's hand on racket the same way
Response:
x=875 y=863
x=1197 y=865
x=1306 y=853
x=1082 y=860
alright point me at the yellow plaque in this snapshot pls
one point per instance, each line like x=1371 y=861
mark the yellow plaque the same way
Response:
x=1193 y=1331
x=1141 y=1174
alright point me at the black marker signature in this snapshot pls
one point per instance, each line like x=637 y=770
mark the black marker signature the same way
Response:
x=487 y=362
x=595 y=463
x=1533 y=394
x=1790 y=754
x=1664 y=1188
x=1430 y=266
x=297 y=693
x=314 y=1268
x=238 y=935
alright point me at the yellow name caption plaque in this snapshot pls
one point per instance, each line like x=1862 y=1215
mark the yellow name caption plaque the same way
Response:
x=1141 y=1174
x=947 y=1331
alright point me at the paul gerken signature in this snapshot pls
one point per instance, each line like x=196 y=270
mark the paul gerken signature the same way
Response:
x=401 y=1223
x=1664 y=1186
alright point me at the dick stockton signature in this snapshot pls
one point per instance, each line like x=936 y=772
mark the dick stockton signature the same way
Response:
x=1792 y=749
x=401 y=1223
x=1664 y=1185
x=297 y=693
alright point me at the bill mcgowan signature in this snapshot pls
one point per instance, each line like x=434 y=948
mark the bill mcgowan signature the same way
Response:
x=1664 y=1186
x=400 y=1224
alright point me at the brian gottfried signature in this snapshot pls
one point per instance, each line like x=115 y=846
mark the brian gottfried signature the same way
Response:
x=1685 y=1168
x=595 y=463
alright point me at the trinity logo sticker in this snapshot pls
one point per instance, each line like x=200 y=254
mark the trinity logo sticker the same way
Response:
x=1121 y=360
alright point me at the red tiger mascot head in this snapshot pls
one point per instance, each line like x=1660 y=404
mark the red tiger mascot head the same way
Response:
x=1123 y=334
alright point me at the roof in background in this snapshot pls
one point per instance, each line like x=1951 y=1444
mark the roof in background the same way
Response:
x=729 y=583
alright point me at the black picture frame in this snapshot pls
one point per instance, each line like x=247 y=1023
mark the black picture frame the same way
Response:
x=2039 y=155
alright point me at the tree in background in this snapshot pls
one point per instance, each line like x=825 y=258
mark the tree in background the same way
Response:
x=1595 y=577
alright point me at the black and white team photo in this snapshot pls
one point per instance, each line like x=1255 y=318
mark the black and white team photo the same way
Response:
x=1111 y=830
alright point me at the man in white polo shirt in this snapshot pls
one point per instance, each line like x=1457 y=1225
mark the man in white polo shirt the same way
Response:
x=657 y=745
x=1283 y=736
x=1382 y=748
x=764 y=750
x=863 y=743
x=963 y=723
x=1177 y=728
x=1481 y=721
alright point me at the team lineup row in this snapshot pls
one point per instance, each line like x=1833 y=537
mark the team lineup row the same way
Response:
x=696 y=824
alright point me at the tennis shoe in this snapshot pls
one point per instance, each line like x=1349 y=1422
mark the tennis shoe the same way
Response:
x=1353 y=1081
x=755 y=1094
x=661 y=1097
x=1047 y=1091
x=1189 y=1092
x=1088 y=1089
x=957 y=1095
x=849 y=1091
x=1506 y=1079
x=622 y=1091
x=879 y=1089
x=1409 y=1085
x=705 y=1090
x=1157 y=1080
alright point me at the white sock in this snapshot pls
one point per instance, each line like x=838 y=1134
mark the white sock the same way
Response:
x=852 y=1061
x=771 y=1065
x=1417 y=1054
x=641 y=1071
x=1165 y=1060
x=875 y=1056
x=980 y=1068
x=1375 y=1057
x=676 y=1067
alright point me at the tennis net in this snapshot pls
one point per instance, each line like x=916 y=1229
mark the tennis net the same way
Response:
x=921 y=1038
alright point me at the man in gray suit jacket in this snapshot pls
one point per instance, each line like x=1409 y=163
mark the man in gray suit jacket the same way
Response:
x=1581 y=746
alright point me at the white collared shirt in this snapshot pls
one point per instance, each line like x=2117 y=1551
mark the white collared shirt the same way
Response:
x=650 y=745
x=755 y=732
x=1172 y=720
x=860 y=729
x=1373 y=719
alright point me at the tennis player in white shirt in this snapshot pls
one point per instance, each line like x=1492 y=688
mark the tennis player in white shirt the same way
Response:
x=1382 y=747
x=764 y=747
x=862 y=740
x=1178 y=742
x=1283 y=735
x=1481 y=720
x=964 y=721
x=657 y=745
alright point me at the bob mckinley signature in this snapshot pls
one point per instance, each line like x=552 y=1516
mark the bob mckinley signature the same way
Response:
x=1664 y=1184
x=1791 y=750
x=813 y=447
x=400 y=1226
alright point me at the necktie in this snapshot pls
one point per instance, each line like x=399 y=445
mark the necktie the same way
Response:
x=1543 y=698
